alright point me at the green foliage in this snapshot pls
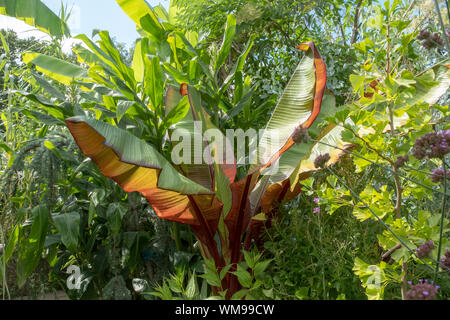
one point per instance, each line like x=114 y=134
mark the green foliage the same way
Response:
x=58 y=211
x=313 y=253
x=251 y=274
x=30 y=246
x=277 y=29
x=36 y=14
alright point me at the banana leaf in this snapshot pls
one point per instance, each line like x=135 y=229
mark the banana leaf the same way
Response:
x=35 y=13
x=137 y=166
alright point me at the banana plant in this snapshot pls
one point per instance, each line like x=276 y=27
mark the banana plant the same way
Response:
x=128 y=115
x=129 y=111
x=206 y=196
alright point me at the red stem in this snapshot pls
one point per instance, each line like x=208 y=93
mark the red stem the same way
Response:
x=211 y=244
x=238 y=230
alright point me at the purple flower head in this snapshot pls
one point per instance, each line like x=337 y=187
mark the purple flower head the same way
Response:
x=424 y=34
x=316 y=210
x=437 y=175
x=401 y=160
x=316 y=200
x=436 y=37
x=301 y=135
x=446 y=261
x=425 y=248
x=321 y=160
x=428 y=44
x=421 y=291
x=432 y=145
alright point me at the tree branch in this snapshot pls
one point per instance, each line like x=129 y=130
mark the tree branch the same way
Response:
x=356 y=23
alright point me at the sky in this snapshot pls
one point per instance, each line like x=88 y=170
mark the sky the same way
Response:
x=86 y=16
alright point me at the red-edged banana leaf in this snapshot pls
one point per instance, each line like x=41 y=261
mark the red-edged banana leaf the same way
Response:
x=431 y=85
x=137 y=166
x=211 y=175
x=298 y=106
x=283 y=167
x=425 y=91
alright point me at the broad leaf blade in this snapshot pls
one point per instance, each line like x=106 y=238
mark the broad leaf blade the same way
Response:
x=136 y=9
x=60 y=70
x=230 y=31
x=127 y=159
x=35 y=13
x=68 y=225
x=30 y=248
x=137 y=166
x=298 y=106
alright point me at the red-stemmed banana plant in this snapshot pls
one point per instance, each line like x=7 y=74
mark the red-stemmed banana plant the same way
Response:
x=206 y=196
x=128 y=112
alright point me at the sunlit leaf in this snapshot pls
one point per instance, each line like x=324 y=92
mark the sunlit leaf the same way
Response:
x=35 y=13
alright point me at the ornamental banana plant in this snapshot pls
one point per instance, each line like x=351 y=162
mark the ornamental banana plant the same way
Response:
x=207 y=195
x=128 y=116
x=128 y=113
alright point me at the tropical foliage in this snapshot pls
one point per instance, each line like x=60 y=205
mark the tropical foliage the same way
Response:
x=348 y=121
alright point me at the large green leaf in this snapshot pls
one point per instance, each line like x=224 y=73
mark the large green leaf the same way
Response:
x=298 y=106
x=230 y=31
x=36 y=14
x=30 y=247
x=291 y=160
x=426 y=90
x=133 y=154
x=137 y=166
x=136 y=10
x=60 y=70
x=68 y=225
x=153 y=28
